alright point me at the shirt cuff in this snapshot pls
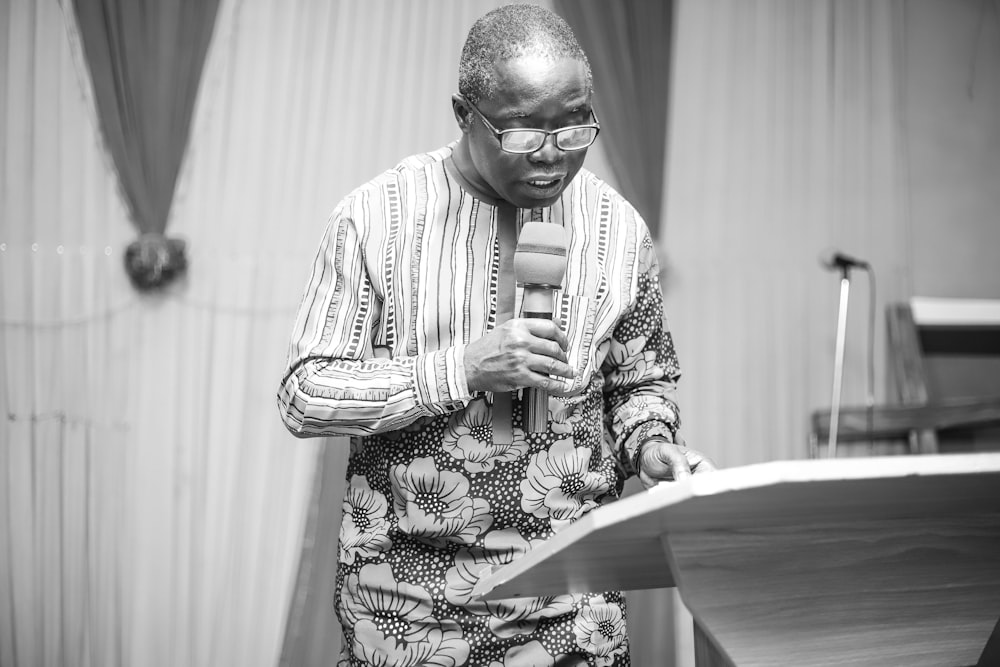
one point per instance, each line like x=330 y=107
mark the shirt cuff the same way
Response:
x=635 y=440
x=440 y=380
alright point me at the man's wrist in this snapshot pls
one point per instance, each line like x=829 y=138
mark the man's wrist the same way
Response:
x=642 y=446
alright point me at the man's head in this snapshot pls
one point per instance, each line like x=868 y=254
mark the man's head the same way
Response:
x=521 y=68
x=507 y=33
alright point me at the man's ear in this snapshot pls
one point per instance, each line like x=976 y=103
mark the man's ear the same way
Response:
x=463 y=114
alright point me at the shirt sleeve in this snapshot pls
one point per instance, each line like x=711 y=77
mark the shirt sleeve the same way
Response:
x=333 y=382
x=641 y=369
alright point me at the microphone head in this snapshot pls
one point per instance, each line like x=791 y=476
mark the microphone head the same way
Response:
x=834 y=259
x=540 y=257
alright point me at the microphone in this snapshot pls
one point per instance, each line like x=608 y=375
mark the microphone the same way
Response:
x=539 y=266
x=834 y=259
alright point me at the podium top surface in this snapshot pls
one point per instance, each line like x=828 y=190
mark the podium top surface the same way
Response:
x=881 y=560
x=781 y=493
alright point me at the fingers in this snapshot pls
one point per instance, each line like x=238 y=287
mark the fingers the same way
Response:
x=544 y=352
x=519 y=353
x=547 y=365
x=660 y=460
x=676 y=461
x=547 y=357
x=535 y=336
x=559 y=388
x=699 y=462
x=664 y=461
x=547 y=329
x=544 y=362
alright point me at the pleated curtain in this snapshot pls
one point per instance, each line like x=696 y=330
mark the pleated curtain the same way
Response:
x=151 y=508
x=153 y=511
x=145 y=59
x=787 y=140
x=628 y=45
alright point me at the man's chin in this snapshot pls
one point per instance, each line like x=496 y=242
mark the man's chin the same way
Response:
x=523 y=198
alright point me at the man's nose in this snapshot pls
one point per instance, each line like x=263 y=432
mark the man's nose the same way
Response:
x=548 y=152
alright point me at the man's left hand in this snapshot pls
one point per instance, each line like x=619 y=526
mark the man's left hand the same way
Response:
x=661 y=461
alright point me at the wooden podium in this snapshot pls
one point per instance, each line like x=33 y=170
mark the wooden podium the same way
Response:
x=866 y=561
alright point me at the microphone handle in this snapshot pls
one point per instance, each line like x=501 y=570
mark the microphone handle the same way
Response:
x=536 y=401
x=537 y=303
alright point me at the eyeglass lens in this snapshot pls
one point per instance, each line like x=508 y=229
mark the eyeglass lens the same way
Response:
x=567 y=139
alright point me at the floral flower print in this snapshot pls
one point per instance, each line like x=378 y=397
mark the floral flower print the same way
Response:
x=435 y=505
x=562 y=418
x=393 y=623
x=532 y=654
x=647 y=260
x=469 y=438
x=633 y=361
x=508 y=618
x=600 y=630
x=364 y=530
x=499 y=548
x=560 y=484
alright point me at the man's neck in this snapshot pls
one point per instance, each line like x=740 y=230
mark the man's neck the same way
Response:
x=463 y=163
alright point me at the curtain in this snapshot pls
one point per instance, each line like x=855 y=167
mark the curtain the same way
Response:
x=152 y=506
x=786 y=140
x=628 y=45
x=364 y=109
x=145 y=59
x=153 y=510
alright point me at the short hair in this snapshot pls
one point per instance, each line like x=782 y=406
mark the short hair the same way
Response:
x=509 y=32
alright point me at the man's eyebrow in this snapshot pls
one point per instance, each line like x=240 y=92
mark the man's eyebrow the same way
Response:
x=516 y=114
x=513 y=115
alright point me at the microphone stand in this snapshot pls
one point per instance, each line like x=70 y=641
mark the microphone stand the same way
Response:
x=838 y=362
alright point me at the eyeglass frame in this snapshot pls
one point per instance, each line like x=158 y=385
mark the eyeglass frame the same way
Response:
x=596 y=126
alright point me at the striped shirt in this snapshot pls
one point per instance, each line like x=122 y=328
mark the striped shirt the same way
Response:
x=407 y=274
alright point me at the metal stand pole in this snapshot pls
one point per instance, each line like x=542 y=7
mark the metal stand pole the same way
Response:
x=838 y=362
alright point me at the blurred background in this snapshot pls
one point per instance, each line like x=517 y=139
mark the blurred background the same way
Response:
x=153 y=510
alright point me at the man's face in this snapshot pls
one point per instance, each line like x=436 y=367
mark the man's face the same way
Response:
x=532 y=93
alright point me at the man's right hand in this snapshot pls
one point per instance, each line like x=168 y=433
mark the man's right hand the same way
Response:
x=519 y=353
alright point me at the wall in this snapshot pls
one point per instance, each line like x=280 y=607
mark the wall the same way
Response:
x=871 y=127
x=952 y=130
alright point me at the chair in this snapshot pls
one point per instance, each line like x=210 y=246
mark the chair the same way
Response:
x=944 y=357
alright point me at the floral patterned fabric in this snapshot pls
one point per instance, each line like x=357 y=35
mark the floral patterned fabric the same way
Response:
x=432 y=501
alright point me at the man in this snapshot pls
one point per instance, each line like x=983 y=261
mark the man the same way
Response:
x=407 y=338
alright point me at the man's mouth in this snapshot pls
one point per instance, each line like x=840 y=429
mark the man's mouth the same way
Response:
x=544 y=183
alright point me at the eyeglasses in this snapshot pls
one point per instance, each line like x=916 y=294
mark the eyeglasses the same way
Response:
x=523 y=140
